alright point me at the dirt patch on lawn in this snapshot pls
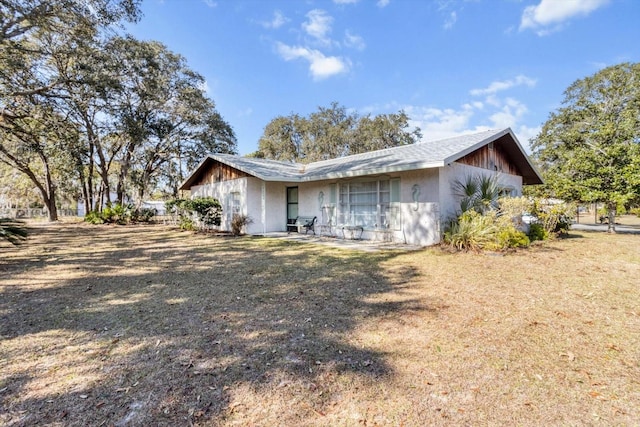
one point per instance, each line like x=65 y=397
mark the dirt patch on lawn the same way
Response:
x=146 y=325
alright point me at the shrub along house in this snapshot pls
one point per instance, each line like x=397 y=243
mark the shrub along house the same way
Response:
x=401 y=194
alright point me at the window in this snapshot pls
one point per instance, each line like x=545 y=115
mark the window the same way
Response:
x=235 y=203
x=234 y=206
x=370 y=204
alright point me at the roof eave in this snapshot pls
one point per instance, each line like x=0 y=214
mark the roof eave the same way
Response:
x=368 y=172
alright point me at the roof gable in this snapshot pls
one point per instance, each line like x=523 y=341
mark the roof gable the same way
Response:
x=422 y=155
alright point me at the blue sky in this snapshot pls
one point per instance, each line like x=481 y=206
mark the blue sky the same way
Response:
x=454 y=66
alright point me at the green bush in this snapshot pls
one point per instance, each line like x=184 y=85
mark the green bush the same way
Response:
x=510 y=237
x=187 y=223
x=111 y=214
x=94 y=217
x=537 y=232
x=116 y=214
x=142 y=215
x=207 y=210
x=635 y=211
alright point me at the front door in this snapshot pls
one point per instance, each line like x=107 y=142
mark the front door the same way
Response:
x=292 y=207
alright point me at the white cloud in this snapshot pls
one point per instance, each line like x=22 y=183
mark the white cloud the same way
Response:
x=450 y=21
x=511 y=113
x=354 y=41
x=525 y=134
x=277 y=21
x=436 y=123
x=499 y=86
x=318 y=25
x=475 y=116
x=320 y=65
x=345 y=1
x=211 y=3
x=383 y=3
x=550 y=15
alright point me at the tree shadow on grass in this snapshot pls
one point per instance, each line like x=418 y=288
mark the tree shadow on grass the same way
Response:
x=147 y=326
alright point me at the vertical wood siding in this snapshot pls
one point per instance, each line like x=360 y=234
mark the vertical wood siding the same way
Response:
x=219 y=172
x=491 y=157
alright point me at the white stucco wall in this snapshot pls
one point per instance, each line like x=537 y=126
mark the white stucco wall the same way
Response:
x=420 y=209
x=419 y=219
x=426 y=202
x=266 y=205
x=223 y=192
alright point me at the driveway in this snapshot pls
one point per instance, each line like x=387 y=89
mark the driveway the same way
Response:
x=604 y=227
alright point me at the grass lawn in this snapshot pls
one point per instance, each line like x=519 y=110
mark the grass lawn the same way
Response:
x=145 y=325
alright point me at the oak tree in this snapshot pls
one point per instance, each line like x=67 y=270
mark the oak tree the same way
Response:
x=589 y=149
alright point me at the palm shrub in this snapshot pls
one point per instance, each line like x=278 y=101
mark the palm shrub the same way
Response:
x=13 y=230
x=111 y=214
x=94 y=217
x=479 y=193
x=485 y=221
x=116 y=214
x=471 y=231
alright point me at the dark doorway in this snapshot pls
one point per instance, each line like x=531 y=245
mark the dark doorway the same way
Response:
x=292 y=208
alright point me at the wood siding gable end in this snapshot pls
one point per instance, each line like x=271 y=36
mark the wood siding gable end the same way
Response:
x=491 y=157
x=219 y=172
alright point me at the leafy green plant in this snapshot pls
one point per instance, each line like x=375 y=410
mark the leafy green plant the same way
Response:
x=187 y=223
x=557 y=218
x=118 y=214
x=635 y=211
x=13 y=230
x=142 y=215
x=206 y=209
x=471 y=231
x=508 y=236
x=94 y=217
x=238 y=222
x=537 y=232
x=111 y=214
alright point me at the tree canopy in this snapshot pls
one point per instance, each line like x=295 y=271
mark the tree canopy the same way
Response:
x=332 y=132
x=589 y=149
x=88 y=112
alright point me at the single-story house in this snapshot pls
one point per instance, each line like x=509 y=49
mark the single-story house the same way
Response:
x=402 y=194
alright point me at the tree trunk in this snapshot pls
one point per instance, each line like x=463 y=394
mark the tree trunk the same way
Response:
x=611 y=208
x=50 y=203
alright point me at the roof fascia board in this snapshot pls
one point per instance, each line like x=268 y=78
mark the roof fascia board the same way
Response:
x=526 y=157
x=377 y=171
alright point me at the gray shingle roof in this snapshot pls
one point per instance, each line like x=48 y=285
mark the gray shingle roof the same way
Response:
x=422 y=155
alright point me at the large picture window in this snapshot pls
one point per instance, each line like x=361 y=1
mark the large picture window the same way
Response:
x=370 y=204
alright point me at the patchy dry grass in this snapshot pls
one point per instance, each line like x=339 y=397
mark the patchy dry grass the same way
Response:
x=129 y=326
